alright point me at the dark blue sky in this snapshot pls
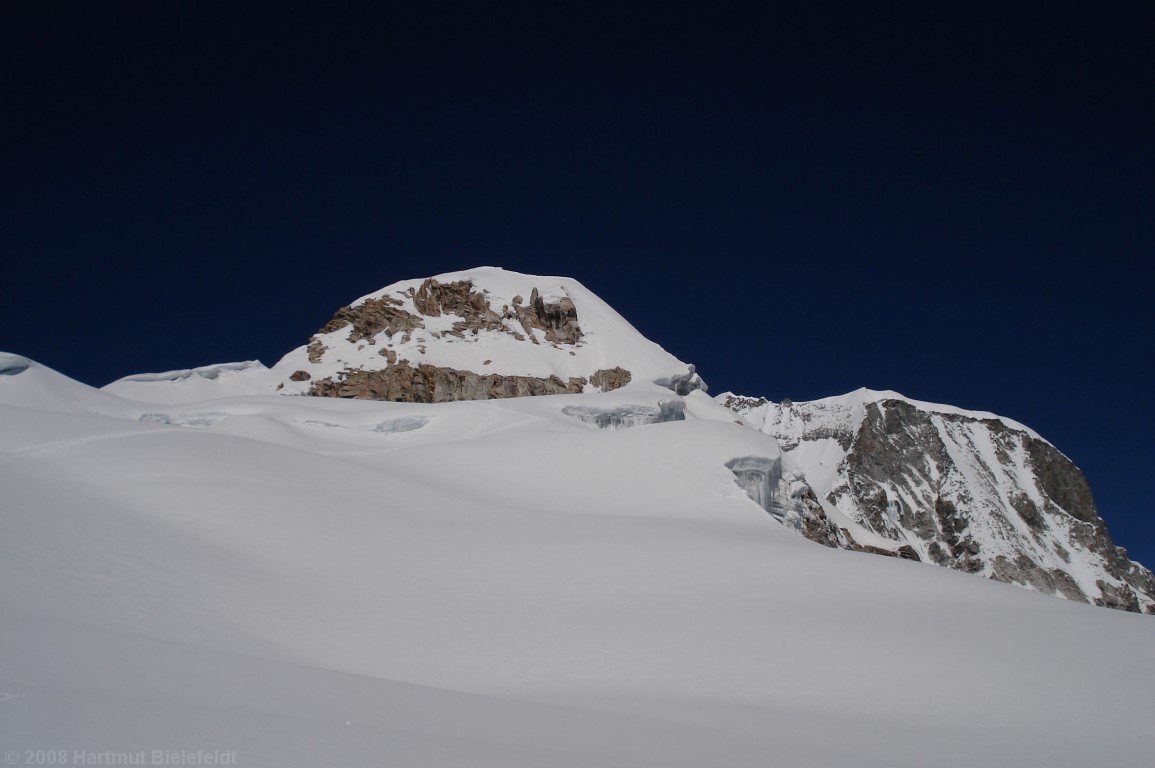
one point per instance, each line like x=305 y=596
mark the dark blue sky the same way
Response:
x=957 y=204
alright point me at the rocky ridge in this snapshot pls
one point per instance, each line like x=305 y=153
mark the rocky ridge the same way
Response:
x=972 y=492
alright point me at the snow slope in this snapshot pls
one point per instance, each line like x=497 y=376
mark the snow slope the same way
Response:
x=313 y=581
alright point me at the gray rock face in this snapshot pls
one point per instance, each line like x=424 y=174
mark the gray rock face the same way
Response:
x=970 y=492
x=1062 y=481
x=740 y=404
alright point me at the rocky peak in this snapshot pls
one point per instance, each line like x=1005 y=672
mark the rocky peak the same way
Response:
x=476 y=335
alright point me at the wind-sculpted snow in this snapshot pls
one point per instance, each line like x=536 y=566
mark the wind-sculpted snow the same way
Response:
x=502 y=586
x=210 y=372
x=194 y=384
x=10 y=365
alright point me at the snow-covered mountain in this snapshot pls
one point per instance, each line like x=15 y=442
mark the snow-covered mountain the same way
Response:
x=571 y=580
x=871 y=471
x=968 y=490
x=473 y=335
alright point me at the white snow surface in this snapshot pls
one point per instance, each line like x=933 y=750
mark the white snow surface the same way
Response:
x=849 y=409
x=314 y=581
x=192 y=384
x=608 y=340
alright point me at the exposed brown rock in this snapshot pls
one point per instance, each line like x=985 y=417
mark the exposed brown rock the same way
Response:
x=300 y=376
x=609 y=379
x=315 y=350
x=425 y=383
x=371 y=317
x=558 y=321
x=433 y=298
x=904 y=552
x=457 y=298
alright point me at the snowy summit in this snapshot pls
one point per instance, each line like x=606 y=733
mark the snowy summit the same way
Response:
x=473 y=335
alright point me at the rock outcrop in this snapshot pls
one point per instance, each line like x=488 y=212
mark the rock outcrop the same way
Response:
x=371 y=318
x=551 y=320
x=424 y=383
x=609 y=379
x=406 y=383
x=368 y=319
x=557 y=319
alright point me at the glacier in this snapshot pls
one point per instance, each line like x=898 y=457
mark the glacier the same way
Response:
x=564 y=596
